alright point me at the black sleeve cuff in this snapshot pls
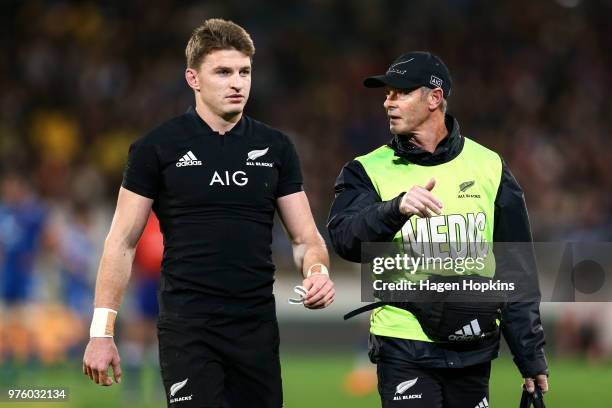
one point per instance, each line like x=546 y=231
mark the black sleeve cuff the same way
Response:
x=140 y=190
x=390 y=213
x=531 y=367
x=289 y=189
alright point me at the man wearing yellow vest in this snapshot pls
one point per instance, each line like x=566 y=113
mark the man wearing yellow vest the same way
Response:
x=429 y=183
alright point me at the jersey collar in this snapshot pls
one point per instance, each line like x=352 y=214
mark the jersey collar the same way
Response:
x=447 y=149
x=237 y=130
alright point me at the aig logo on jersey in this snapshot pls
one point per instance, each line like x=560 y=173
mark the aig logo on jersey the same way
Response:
x=253 y=155
x=226 y=178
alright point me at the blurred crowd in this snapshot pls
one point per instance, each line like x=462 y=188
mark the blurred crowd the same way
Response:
x=81 y=80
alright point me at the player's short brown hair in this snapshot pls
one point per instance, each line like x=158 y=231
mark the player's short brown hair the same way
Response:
x=217 y=34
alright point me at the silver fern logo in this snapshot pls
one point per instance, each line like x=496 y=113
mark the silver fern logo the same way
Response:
x=255 y=154
x=465 y=185
x=177 y=387
x=405 y=386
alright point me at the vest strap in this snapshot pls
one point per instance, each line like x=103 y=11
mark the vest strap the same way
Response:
x=364 y=309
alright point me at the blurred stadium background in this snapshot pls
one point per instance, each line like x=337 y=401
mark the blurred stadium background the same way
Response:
x=79 y=81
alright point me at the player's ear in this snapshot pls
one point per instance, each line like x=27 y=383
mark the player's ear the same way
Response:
x=191 y=76
x=435 y=98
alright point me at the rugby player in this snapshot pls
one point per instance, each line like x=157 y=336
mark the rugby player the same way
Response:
x=432 y=184
x=214 y=178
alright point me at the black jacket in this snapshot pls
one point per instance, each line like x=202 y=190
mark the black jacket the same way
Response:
x=359 y=215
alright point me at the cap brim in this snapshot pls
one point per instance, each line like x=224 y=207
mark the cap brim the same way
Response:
x=379 y=81
x=375 y=81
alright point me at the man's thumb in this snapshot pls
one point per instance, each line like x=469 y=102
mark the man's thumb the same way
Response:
x=430 y=184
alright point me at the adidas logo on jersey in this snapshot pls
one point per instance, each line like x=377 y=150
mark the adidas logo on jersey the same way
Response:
x=483 y=404
x=467 y=332
x=188 y=159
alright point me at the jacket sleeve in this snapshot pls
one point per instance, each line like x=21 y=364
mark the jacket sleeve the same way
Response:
x=359 y=215
x=520 y=323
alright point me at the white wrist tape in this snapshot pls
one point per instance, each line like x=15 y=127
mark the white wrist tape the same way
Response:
x=103 y=322
x=317 y=268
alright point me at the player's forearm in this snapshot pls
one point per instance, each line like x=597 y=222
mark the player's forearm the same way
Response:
x=310 y=252
x=114 y=273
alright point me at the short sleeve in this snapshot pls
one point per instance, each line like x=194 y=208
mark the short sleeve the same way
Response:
x=142 y=172
x=290 y=177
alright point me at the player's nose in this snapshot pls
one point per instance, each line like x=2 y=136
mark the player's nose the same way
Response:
x=238 y=82
x=388 y=103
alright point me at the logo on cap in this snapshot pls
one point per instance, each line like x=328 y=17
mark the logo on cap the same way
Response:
x=435 y=81
x=397 y=71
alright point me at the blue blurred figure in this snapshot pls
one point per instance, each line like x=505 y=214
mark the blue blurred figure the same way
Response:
x=22 y=224
x=77 y=252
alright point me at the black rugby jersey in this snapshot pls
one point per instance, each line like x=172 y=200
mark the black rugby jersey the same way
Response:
x=215 y=197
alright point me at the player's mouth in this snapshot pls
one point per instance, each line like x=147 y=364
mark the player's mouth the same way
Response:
x=235 y=98
x=393 y=117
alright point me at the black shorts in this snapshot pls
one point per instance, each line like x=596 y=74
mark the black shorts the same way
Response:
x=404 y=384
x=214 y=362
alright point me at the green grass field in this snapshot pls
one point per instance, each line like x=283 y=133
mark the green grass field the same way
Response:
x=316 y=380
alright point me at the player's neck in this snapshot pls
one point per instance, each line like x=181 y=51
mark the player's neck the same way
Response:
x=217 y=123
x=429 y=135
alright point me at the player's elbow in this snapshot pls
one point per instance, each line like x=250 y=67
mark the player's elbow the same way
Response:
x=120 y=243
x=308 y=239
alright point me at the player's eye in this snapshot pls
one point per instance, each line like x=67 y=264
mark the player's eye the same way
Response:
x=223 y=72
x=245 y=72
x=396 y=92
x=392 y=93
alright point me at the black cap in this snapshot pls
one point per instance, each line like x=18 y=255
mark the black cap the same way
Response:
x=413 y=70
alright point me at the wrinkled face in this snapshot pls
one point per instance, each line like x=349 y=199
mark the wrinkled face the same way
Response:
x=224 y=80
x=406 y=109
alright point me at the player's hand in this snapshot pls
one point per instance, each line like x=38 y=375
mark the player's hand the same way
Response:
x=541 y=380
x=321 y=291
x=420 y=201
x=101 y=353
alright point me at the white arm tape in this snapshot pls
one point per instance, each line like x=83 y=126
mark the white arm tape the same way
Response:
x=317 y=268
x=103 y=322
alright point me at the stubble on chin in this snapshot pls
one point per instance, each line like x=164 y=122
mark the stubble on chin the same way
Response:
x=232 y=113
x=395 y=129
